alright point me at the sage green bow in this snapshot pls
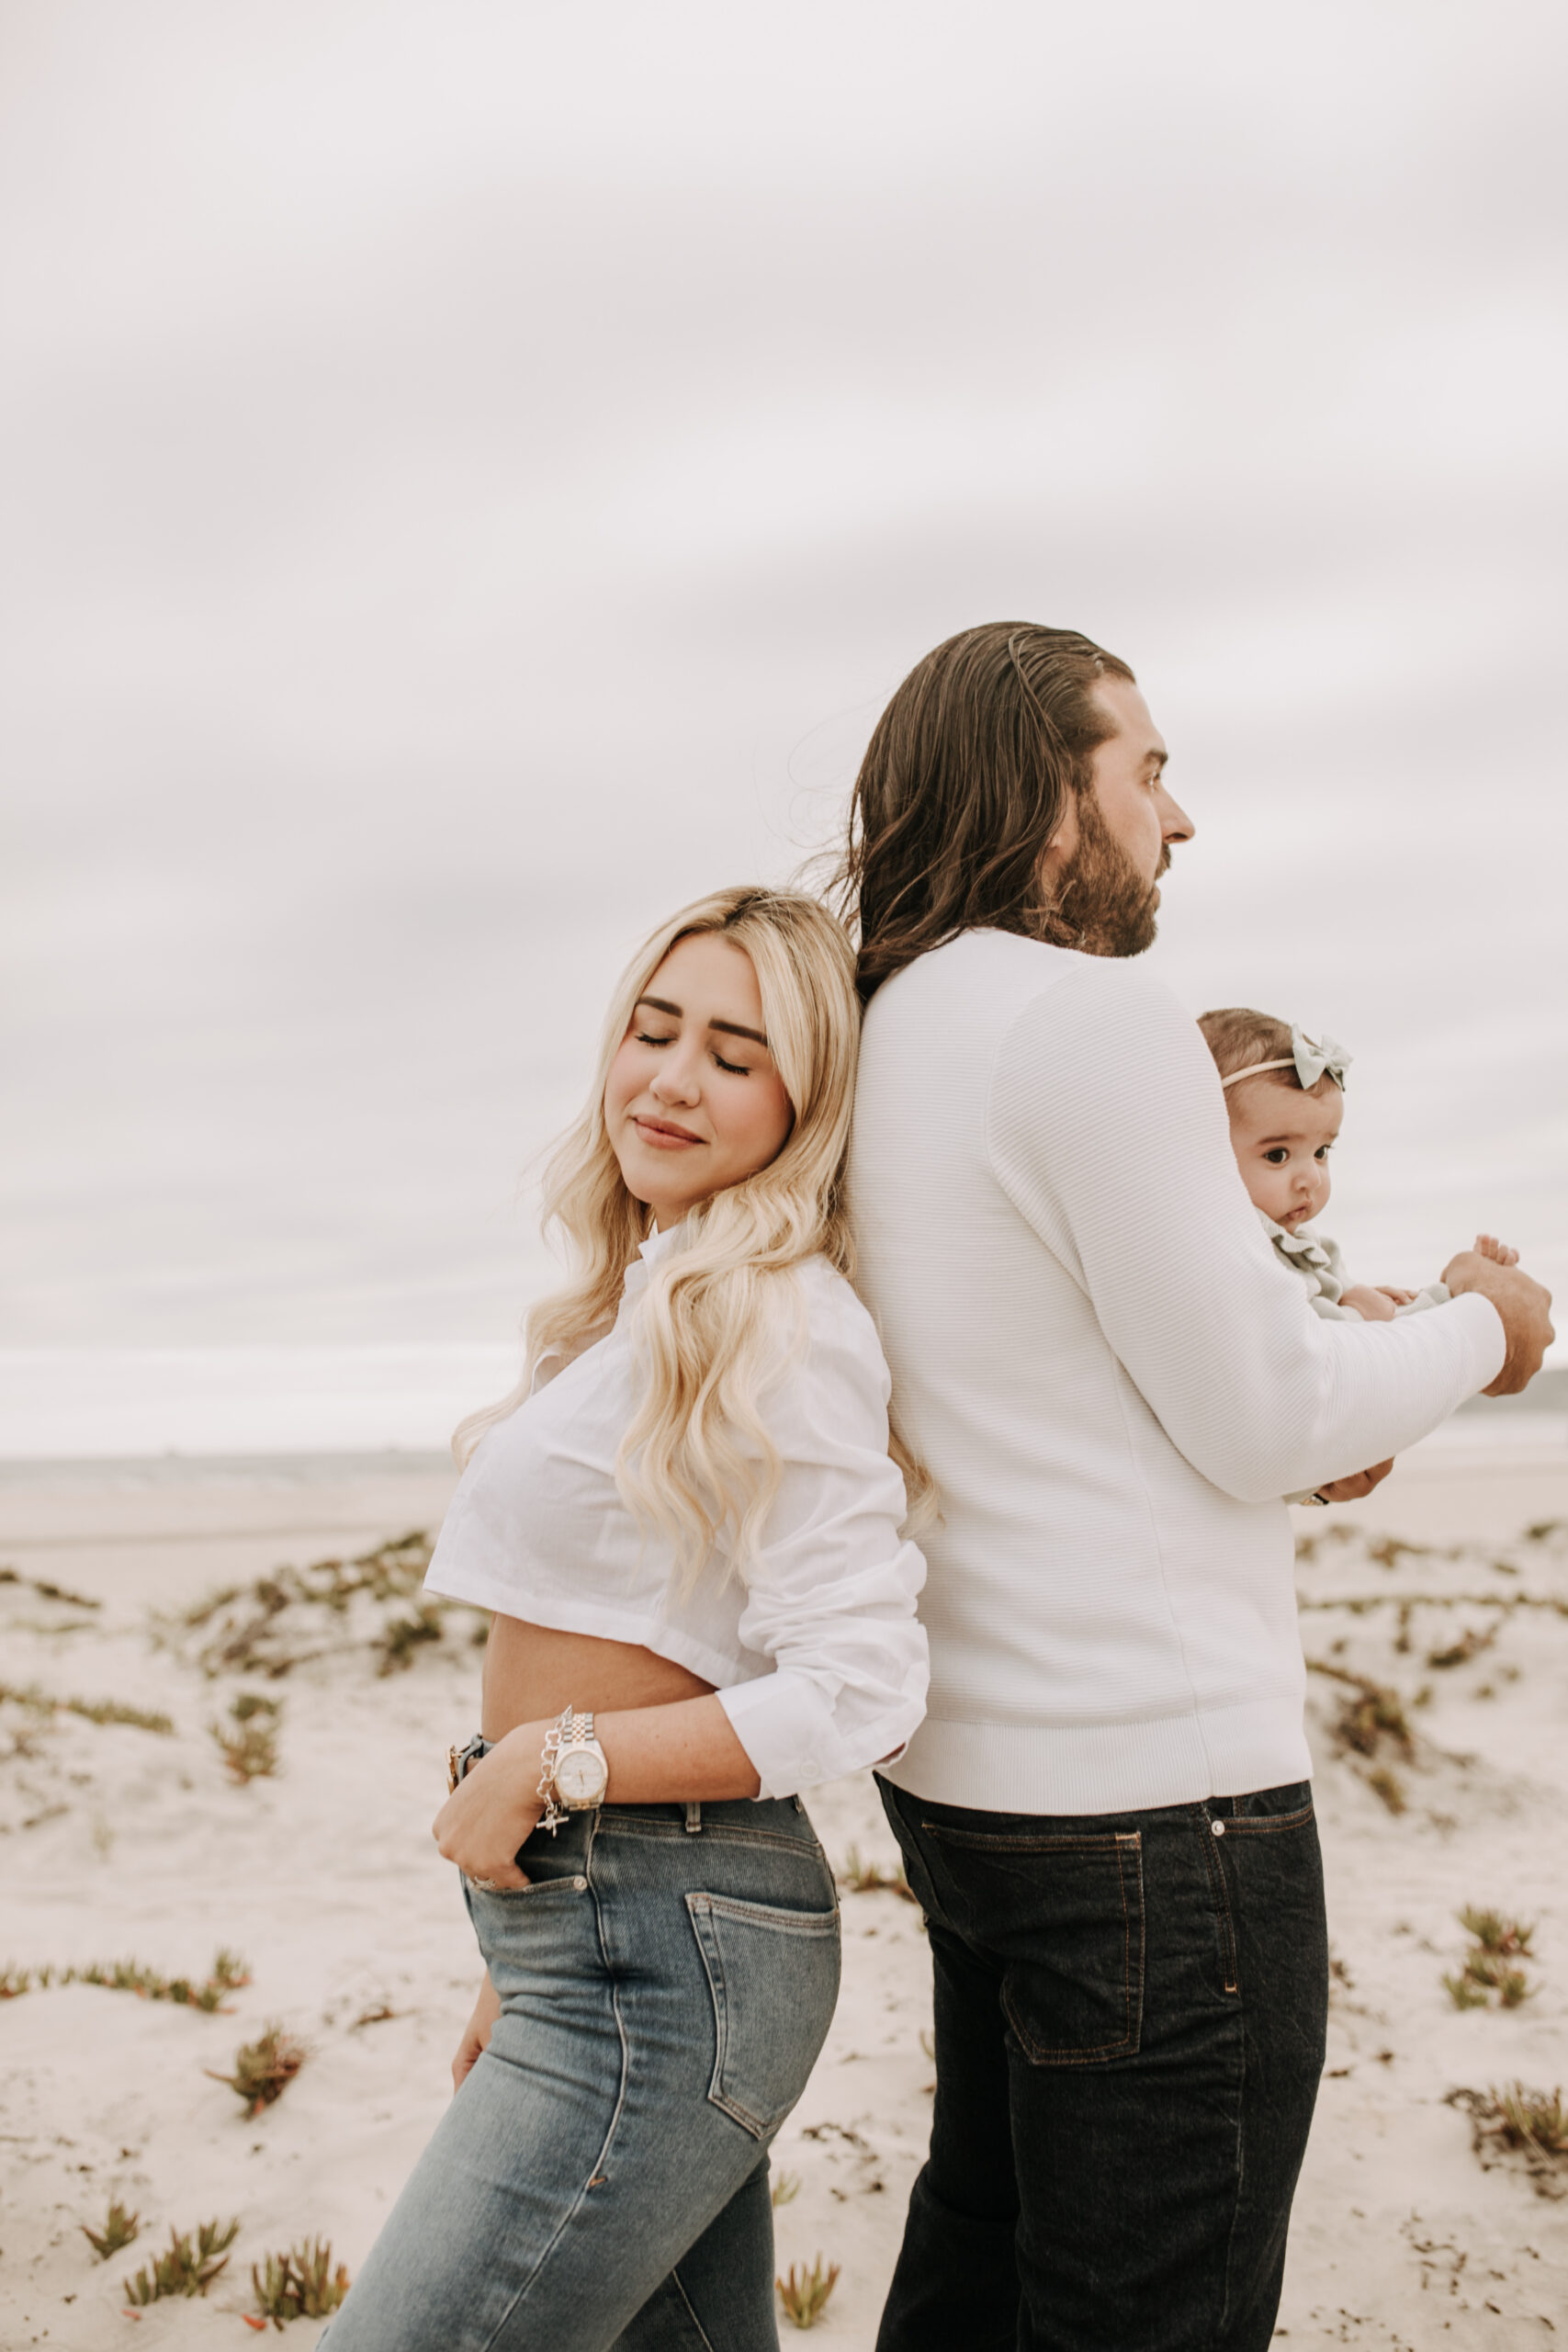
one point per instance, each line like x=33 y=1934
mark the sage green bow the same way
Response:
x=1313 y=1057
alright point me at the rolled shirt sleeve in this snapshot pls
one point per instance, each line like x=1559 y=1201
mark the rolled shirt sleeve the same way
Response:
x=831 y=1591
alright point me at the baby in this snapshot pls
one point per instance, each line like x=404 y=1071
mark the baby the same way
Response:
x=1286 y=1098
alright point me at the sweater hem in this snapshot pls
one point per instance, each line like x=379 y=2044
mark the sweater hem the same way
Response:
x=1106 y=1768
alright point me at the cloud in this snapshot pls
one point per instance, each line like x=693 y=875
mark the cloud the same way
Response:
x=474 y=473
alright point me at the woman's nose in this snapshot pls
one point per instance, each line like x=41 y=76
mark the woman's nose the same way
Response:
x=676 y=1079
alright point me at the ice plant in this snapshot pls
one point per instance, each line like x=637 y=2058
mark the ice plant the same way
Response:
x=184 y=2269
x=300 y=2284
x=263 y=2068
x=805 y=2293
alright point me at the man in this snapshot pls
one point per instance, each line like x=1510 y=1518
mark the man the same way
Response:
x=1106 y=1815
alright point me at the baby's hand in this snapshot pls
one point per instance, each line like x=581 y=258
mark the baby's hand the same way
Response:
x=1371 y=1306
x=1488 y=1246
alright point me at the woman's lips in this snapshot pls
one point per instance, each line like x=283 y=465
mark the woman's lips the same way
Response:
x=663 y=1137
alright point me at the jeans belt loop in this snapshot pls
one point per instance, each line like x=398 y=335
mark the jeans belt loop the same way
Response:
x=694 y=1819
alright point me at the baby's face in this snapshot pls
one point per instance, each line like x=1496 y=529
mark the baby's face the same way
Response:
x=1282 y=1137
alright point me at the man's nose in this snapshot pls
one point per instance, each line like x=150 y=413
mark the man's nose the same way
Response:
x=1175 y=825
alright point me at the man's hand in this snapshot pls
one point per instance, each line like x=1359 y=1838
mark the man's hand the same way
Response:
x=1524 y=1304
x=1359 y=1483
x=476 y=2034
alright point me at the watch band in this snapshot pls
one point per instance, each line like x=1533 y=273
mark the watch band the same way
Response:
x=572 y=1728
x=554 y=1813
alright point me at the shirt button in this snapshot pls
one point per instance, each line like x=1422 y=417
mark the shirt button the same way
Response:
x=1218 y=1827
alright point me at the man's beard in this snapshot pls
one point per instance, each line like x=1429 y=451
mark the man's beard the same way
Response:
x=1103 y=904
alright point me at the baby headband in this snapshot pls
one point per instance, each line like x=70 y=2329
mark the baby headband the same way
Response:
x=1307 y=1057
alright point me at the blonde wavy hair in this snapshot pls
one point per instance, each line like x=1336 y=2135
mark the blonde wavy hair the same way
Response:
x=697 y=1461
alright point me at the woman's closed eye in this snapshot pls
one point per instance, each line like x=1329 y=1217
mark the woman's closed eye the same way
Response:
x=735 y=1069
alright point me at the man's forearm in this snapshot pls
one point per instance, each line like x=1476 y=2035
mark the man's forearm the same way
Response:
x=1524 y=1305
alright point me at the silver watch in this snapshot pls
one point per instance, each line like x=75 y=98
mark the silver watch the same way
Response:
x=575 y=1771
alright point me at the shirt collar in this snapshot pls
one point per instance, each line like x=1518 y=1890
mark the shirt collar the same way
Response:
x=651 y=1253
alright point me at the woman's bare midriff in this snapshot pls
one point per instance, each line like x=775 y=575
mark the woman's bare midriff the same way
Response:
x=531 y=1672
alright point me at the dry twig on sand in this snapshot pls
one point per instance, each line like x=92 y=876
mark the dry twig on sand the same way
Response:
x=1520 y=2127
x=1369 y=1713
x=92 y=1711
x=870 y=1878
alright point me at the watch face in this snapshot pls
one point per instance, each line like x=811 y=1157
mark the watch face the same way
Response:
x=581 y=1777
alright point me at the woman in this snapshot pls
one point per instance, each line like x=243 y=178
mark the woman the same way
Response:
x=688 y=1524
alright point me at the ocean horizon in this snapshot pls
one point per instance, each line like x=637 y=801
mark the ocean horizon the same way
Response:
x=101 y=1406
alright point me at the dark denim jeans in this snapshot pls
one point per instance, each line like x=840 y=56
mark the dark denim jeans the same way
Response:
x=1130 y=2020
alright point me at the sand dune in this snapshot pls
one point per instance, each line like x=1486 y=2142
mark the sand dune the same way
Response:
x=117 y=1841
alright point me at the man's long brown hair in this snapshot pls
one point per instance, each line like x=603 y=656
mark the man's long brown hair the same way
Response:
x=962 y=785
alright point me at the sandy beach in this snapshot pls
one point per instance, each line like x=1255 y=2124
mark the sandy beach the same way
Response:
x=122 y=1841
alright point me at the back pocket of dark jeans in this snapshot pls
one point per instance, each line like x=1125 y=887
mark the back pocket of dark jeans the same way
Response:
x=774 y=1975
x=1063 y=1917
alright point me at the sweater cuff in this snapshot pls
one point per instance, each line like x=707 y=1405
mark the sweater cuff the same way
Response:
x=1487 y=1340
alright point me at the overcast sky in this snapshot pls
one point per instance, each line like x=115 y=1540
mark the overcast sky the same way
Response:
x=473 y=471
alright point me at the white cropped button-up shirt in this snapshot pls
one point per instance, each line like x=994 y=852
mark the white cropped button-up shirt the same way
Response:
x=817 y=1657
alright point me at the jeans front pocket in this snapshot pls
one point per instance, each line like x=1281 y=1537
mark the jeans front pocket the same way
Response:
x=774 y=1975
x=1063 y=1912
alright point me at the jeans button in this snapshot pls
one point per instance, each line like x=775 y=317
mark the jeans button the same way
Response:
x=1218 y=1827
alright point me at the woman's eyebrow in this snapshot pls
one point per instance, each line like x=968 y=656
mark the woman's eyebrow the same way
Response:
x=730 y=1028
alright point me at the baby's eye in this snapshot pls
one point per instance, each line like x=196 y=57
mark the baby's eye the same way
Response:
x=1277 y=1155
x=1322 y=1151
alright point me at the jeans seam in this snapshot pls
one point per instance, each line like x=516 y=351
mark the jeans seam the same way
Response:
x=1219 y=1897
x=1262 y=1824
x=605 y=2144
x=679 y=2289
x=621 y=1828
x=1240 y=2179
x=982 y=1842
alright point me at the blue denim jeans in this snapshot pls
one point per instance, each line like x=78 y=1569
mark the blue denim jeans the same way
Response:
x=1130 y=2020
x=601 y=2179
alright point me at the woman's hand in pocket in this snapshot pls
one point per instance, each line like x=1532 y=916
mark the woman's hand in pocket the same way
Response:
x=476 y=2034
x=495 y=1809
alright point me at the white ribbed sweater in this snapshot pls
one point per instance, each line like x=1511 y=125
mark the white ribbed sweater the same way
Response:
x=1110 y=1420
